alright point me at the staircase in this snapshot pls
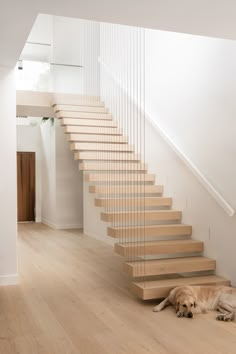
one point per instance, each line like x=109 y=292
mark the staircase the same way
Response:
x=157 y=248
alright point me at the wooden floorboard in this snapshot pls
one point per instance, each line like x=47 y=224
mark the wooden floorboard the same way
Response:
x=73 y=298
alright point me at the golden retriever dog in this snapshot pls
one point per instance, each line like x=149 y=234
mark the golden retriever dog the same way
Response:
x=190 y=300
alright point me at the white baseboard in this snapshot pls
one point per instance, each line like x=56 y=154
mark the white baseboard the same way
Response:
x=105 y=239
x=12 y=279
x=69 y=226
x=62 y=226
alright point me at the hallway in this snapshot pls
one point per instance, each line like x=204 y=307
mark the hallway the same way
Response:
x=74 y=299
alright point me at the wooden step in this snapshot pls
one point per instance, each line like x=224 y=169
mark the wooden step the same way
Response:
x=169 y=266
x=158 y=247
x=88 y=122
x=84 y=115
x=101 y=147
x=92 y=130
x=75 y=99
x=112 y=166
x=157 y=289
x=90 y=138
x=150 y=231
x=143 y=215
x=76 y=108
x=80 y=108
x=114 y=177
x=126 y=189
x=131 y=202
x=106 y=156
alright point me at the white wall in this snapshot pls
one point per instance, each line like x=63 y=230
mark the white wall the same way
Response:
x=93 y=225
x=28 y=139
x=69 y=185
x=190 y=92
x=67 y=48
x=41 y=31
x=39 y=42
x=62 y=183
x=48 y=173
x=73 y=51
x=8 y=206
x=91 y=45
x=210 y=223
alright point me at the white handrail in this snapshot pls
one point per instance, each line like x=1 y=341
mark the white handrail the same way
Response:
x=197 y=173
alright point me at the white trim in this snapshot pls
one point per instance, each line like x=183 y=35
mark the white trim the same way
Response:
x=12 y=279
x=105 y=239
x=68 y=226
x=197 y=173
x=62 y=226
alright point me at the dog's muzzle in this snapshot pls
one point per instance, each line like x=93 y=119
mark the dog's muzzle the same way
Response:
x=190 y=314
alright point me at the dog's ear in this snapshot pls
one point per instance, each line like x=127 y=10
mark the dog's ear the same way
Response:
x=177 y=307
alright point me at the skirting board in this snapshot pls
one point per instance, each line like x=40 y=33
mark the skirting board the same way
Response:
x=62 y=226
x=9 y=280
x=105 y=239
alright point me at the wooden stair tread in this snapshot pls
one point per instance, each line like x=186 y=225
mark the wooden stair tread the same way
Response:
x=102 y=147
x=150 y=231
x=112 y=166
x=133 y=202
x=141 y=215
x=84 y=115
x=122 y=177
x=75 y=99
x=127 y=189
x=158 y=247
x=106 y=156
x=111 y=139
x=155 y=289
x=92 y=130
x=80 y=108
x=75 y=108
x=169 y=266
x=88 y=122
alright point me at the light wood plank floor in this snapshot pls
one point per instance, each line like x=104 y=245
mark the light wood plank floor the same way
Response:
x=73 y=299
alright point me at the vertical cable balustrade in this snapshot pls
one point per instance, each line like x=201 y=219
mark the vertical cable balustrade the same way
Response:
x=122 y=76
x=119 y=77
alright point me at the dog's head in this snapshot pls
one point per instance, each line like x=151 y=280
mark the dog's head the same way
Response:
x=185 y=302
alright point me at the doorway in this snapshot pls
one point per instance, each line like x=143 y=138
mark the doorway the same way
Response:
x=26 y=186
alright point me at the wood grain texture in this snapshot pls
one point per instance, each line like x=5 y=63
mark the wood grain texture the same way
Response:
x=158 y=247
x=88 y=122
x=92 y=130
x=72 y=299
x=80 y=108
x=26 y=186
x=169 y=266
x=112 y=139
x=84 y=115
x=142 y=202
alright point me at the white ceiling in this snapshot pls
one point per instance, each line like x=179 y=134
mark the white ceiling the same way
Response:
x=215 y=18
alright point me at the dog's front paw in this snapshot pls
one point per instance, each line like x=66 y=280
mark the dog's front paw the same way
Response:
x=180 y=314
x=157 y=309
x=225 y=317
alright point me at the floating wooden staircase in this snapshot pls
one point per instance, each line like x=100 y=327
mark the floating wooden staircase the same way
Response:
x=158 y=250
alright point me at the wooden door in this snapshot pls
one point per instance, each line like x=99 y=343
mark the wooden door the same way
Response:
x=26 y=186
